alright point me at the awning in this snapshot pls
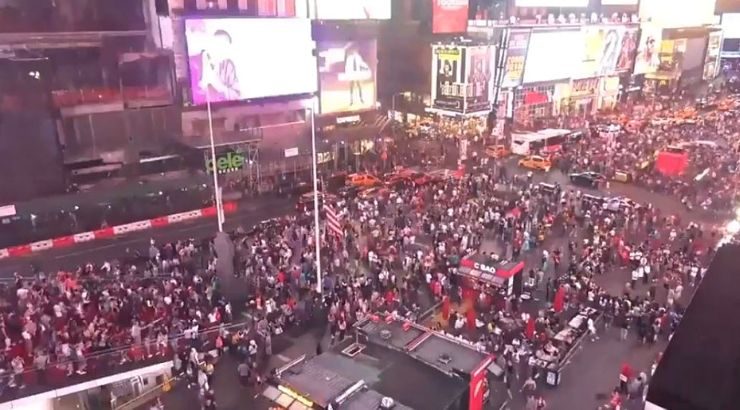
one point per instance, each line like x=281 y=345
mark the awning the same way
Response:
x=475 y=267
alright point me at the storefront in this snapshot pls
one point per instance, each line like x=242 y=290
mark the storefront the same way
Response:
x=630 y=88
x=581 y=100
x=348 y=140
x=608 y=93
x=660 y=84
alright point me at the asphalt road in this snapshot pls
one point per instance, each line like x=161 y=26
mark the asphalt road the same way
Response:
x=590 y=376
x=248 y=213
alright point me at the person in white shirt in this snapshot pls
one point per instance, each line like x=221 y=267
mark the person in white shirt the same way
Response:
x=592 y=330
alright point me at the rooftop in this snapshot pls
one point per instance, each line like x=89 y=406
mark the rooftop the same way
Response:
x=443 y=352
x=699 y=369
x=386 y=373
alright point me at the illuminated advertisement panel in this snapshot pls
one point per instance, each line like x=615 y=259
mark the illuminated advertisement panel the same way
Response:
x=233 y=59
x=347 y=75
x=551 y=3
x=648 y=59
x=731 y=25
x=677 y=13
x=350 y=9
x=593 y=51
x=448 y=88
x=479 y=66
x=449 y=16
x=282 y=8
x=711 y=61
x=627 y=50
x=553 y=55
x=515 y=58
x=607 y=50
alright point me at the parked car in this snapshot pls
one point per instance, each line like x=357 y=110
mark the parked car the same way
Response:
x=497 y=151
x=407 y=176
x=305 y=201
x=363 y=180
x=535 y=162
x=374 y=192
x=587 y=179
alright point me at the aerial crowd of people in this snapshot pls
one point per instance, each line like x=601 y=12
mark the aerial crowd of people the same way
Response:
x=629 y=264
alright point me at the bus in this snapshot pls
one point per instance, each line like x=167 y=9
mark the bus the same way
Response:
x=541 y=142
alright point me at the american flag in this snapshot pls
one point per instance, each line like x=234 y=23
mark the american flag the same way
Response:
x=332 y=221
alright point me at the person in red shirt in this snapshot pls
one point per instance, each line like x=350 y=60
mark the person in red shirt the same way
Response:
x=624 y=377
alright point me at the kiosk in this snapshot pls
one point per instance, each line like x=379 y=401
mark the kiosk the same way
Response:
x=481 y=273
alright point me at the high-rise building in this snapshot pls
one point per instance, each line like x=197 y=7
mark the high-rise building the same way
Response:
x=82 y=85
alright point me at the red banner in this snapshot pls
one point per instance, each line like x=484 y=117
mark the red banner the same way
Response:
x=671 y=163
x=479 y=386
x=449 y=16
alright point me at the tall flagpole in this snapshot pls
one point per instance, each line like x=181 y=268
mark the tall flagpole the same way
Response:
x=317 y=234
x=214 y=168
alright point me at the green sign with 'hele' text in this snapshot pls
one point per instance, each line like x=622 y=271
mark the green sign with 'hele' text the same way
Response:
x=228 y=162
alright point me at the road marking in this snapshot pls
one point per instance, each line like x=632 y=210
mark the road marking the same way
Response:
x=284 y=358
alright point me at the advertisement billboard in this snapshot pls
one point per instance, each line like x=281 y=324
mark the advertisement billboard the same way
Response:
x=683 y=13
x=711 y=60
x=449 y=16
x=593 y=51
x=448 y=88
x=607 y=50
x=347 y=75
x=282 y=8
x=552 y=55
x=551 y=3
x=731 y=25
x=515 y=57
x=648 y=59
x=627 y=50
x=479 y=65
x=350 y=9
x=233 y=59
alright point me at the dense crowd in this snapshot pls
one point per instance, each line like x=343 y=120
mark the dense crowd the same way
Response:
x=98 y=316
x=399 y=251
x=662 y=254
x=708 y=137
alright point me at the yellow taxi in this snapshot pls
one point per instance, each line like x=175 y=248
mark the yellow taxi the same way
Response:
x=535 y=162
x=363 y=180
x=496 y=151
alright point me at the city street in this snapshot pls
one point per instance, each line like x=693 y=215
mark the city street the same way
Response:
x=586 y=382
x=248 y=213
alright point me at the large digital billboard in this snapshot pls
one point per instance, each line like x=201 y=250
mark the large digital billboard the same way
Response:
x=551 y=3
x=648 y=58
x=711 y=60
x=234 y=59
x=677 y=13
x=448 y=87
x=553 y=55
x=350 y=9
x=627 y=50
x=347 y=75
x=731 y=25
x=607 y=50
x=515 y=58
x=449 y=16
x=479 y=65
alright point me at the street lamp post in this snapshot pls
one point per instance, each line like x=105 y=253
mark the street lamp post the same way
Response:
x=314 y=163
x=214 y=168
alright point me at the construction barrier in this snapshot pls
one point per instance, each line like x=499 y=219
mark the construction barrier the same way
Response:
x=103 y=233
